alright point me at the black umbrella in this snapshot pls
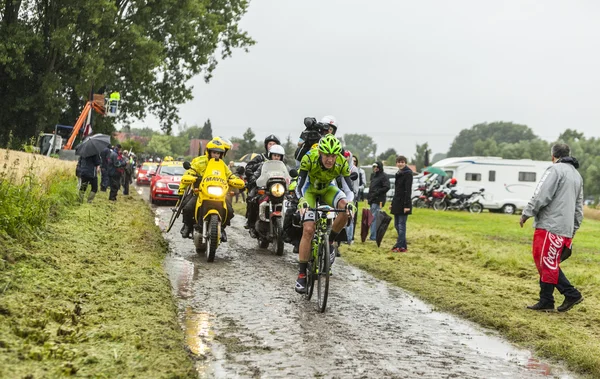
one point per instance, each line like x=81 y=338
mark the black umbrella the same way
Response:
x=92 y=145
x=382 y=221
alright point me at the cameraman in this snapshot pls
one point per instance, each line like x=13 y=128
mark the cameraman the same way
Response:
x=312 y=134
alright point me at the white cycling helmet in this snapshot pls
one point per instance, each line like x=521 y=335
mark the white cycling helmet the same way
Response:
x=331 y=121
x=276 y=149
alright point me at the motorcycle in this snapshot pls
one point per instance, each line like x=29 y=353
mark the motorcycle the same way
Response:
x=428 y=195
x=451 y=200
x=211 y=206
x=272 y=187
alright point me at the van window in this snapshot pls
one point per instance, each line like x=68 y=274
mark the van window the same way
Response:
x=492 y=176
x=526 y=176
x=470 y=177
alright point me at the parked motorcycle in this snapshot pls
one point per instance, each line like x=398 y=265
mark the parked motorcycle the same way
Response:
x=428 y=195
x=211 y=207
x=451 y=200
x=272 y=185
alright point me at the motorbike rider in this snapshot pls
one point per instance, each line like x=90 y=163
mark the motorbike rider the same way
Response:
x=251 y=167
x=276 y=152
x=217 y=148
x=318 y=170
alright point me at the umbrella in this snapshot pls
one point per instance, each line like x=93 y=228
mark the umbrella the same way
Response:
x=92 y=145
x=382 y=222
x=435 y=170
x=248 y=157
x=365 y=223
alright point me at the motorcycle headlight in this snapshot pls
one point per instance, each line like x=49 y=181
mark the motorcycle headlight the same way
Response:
x=160 y=185
x=214 y=191
x=277 y=190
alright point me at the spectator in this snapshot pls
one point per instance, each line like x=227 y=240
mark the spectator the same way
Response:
x=87 y=169
x=401 y=203
x=355 y=188
x=105 y=180
x=116 y=169
x=380 y=185
x=557 y=207
x=361 y=181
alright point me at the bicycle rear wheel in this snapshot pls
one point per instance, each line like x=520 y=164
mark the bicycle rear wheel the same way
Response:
x=323 y=274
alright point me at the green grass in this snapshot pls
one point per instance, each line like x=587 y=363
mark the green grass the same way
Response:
x=480 y=267
x=88 y=296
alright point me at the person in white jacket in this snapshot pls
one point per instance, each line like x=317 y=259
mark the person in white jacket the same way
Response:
x=557 y=207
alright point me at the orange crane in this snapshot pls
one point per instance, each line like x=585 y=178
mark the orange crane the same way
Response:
x=98 y=105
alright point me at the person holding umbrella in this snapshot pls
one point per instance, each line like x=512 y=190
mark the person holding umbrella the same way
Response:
x=89 y=159
x=87 y=168
x=401 y=203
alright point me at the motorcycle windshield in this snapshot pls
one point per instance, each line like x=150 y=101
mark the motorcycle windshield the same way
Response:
x=273 y=169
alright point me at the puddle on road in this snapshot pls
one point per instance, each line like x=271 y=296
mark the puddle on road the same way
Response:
x=199 y=332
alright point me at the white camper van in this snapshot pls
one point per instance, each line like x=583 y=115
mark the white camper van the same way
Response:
x=508 y=183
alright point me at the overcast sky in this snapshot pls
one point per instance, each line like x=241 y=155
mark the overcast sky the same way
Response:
x=407 y=72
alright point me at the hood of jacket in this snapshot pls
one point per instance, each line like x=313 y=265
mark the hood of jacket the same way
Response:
x=569 y=160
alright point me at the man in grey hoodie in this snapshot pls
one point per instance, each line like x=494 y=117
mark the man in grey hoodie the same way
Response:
x=557 y=206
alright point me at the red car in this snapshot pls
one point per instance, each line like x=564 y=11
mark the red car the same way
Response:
x=143 y=175
x=164 y=185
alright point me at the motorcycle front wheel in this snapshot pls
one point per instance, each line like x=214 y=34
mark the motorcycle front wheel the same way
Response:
x=278 y=231
x=213 y=237
x=440 y=205
x=475 y=208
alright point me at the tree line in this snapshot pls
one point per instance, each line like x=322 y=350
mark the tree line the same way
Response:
x=55 y=53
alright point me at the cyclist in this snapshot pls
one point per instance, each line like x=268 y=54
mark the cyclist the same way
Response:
x=217 y=148
x=318 y=169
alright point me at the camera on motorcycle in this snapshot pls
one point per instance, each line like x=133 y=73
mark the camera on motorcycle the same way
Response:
x=354 y=176
x=187 y=165
x=293 y=173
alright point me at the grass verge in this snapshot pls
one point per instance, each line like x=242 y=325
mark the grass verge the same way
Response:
x=88 y=296
x=480 y=267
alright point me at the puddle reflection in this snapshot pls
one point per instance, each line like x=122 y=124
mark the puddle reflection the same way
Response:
x=199 y=331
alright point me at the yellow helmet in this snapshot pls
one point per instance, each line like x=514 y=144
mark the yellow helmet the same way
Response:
x=226 y=143
x=215 y=145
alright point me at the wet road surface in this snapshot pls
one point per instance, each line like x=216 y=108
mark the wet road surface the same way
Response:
x=243 y=319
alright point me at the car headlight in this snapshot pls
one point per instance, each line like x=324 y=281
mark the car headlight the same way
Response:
x=160 y=185
x=215 y=191
x=277 y=190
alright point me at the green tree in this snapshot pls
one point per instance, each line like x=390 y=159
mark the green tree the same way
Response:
x=419 y=157
x=387 y=154
x=206 y=132
x=362 y=146
x=500 y=132
x=160 y=145
x=290 y=147
x=52 y=53
x=438 y=157
x=247 y=142
x=190 y=132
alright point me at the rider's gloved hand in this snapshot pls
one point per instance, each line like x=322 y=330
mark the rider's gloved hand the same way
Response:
x=303 y=204
x=351 y=208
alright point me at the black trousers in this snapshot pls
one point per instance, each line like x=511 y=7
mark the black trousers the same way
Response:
x=91 y=180
x=115 y=184
x=563 y=286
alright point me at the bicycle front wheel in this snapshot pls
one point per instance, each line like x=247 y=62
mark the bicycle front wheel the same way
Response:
x=323 y=275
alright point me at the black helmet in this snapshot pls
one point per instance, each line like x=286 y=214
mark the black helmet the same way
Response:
x=271 y=138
